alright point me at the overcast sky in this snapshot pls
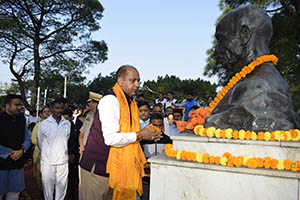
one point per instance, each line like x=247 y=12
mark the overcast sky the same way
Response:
x=158 y=37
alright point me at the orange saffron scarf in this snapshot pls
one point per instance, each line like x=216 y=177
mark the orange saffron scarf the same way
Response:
x=125 y=165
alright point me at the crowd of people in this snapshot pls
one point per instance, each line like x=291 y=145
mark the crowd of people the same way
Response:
x=97 y=153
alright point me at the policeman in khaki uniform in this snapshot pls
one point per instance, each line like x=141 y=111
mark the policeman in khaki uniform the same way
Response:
x=92 y=102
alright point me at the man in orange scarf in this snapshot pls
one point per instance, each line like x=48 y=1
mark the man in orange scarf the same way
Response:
x=119 y=118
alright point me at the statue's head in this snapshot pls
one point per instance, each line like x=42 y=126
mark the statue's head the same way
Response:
x=242 y=35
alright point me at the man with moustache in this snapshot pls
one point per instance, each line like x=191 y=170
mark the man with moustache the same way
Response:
x=53 y=134
x=120 y=129
x=15 y=140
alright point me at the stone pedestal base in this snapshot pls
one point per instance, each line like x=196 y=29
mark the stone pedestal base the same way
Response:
x=175 y=179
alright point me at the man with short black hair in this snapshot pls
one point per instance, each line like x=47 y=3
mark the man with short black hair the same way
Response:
x=161 y=100
x=157 y=108
x=15 y=140
x=144 y=113
x=53 y=134
x=187 y=104
x=171 y=101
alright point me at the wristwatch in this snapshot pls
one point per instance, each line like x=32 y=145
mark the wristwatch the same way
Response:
x=23 y=148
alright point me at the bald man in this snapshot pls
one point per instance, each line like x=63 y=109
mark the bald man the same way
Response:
x=113 y=147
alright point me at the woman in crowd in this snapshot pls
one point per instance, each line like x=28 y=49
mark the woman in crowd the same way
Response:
x=45 y=113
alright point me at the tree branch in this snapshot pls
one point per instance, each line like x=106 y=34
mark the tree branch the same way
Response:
x=275 y=10
x=59 y=52
x=287 y=7
x=18 y=77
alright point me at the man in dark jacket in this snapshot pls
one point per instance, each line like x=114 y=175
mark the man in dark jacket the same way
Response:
x=15 y=140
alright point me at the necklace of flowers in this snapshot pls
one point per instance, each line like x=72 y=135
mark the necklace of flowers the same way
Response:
x=279 y=135
x=238 y=76
x=232 y=161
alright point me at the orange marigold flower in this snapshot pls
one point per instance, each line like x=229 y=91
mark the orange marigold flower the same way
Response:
x=273 y=136
x=235 y=134
x=251 y=163
x=217 y=160
x=204 y=134
x=230 y=162
x=220 y=96
x=261 y=136
x=227 y=155
x=183 y=155
x=260 y=162
x=223 y=134
x=287 y=164
x=293 y=133
x=174 y=153
x=206 y=158
x=217 y=100
x=243 y=74
x=237 y=162
x=248 y=135
x=295 y=166
x=227 y=88
x=230 y=85
x=237 y=76
x=209 y=109
x=212 y=160
x=267 y=162
x=274 y=163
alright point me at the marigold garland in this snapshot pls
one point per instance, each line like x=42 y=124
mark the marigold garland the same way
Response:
x=238 y=76
x=232 y=161
x=290 y=135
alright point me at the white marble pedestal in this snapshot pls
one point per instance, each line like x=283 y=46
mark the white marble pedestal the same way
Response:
x=174 y=179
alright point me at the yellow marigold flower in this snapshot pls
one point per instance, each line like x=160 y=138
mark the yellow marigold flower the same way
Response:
x=178 y=155
x=199 y=157
x=245 y=160
x=280 y=165
x=253 y=136
x=228 y=133
x=267 y=136
x=288 y=135
x=224 y=161
x=201 y=132
x=197 y=129
x=211 y=131
x=278 y=135
x=218 y=133
x=242 y=134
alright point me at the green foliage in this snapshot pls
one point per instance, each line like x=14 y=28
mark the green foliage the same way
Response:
x=285 y=43
x=101 y=84
x=38 y=38
x=199 y=88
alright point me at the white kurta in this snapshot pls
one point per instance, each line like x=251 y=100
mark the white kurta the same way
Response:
x=109 y=114
x=52 y=138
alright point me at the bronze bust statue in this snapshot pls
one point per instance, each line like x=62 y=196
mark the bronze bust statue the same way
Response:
x=262 y=100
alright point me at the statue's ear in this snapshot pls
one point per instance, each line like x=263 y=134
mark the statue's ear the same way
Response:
x=244 y=34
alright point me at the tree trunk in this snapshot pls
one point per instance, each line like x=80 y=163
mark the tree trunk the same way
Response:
x=37 y=72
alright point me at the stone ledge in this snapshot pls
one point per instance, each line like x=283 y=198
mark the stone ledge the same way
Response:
x=164 y=160
x=195 y=138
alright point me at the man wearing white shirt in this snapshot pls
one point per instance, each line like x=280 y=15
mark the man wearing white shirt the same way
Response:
x=171 y=101
x=53 y=134
x=106 y=133
x=161 y=100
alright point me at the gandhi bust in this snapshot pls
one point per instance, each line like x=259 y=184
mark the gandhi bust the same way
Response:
x=262 y=100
